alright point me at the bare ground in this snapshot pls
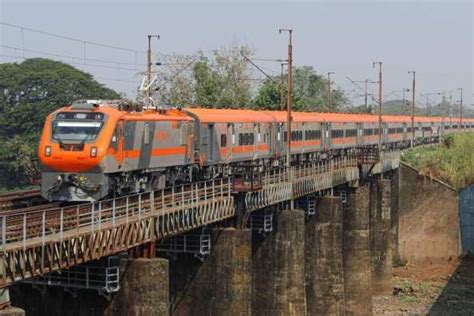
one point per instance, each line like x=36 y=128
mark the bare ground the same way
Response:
x=441 y=288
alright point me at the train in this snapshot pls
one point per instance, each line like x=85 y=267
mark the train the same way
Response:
x=93 y=149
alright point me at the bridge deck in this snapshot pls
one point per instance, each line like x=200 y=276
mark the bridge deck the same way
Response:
x=39 y=242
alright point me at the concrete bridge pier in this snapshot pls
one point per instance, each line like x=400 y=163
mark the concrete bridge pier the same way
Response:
x=144 y=288
x=394 y=211
x=221 y=283
x=278 y=267
x=356 y=254
x=9 y=310
x=380 y=236
x=323 y=258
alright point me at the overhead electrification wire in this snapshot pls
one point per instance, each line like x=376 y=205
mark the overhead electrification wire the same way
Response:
x=78 y=63
x=72 y=57
x=23 y=28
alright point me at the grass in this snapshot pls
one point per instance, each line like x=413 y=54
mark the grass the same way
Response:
x=452 y=162
x=409 y=299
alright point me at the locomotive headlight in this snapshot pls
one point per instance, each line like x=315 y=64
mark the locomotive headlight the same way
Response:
x=93 y=151
x=47 y=151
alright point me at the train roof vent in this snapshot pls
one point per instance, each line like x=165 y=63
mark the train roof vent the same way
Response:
x=85 y=104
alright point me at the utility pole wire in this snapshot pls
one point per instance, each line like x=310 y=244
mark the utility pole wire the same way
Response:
x=71 y=57
x=362 y=89
x=258 y=68
x=22 y=28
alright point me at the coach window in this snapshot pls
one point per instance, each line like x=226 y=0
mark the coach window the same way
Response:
x=241 y=139
x=259 y=137
x=223 y=140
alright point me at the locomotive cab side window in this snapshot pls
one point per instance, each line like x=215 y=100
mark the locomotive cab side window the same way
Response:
x=223 y=140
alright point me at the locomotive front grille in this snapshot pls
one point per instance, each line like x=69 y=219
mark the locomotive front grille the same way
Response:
x=72 y=147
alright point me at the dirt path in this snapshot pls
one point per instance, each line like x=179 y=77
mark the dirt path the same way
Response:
x=445 y=288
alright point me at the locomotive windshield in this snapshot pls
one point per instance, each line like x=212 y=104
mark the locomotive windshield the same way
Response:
x=77 y=126
x=68 y=130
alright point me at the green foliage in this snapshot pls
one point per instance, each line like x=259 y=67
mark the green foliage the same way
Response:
x=453 y=162
x=219 y=81
x=225 y=80
x=309 y=92
x=208 y=84
x=31 y=90
x=268 y=96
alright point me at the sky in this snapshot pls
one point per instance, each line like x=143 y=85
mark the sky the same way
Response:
x=434 y=38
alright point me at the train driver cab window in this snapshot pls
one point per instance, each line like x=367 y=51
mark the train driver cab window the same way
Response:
x=77 y=126
x=115 y=135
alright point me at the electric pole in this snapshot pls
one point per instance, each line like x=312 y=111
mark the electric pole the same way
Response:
x=148 y=67
x=460 y=109
x=282 y=87
x=413 y=73
x=288 y=110
x=427 y=95
x=329 y=90
x=366 y=91
x=379 y=63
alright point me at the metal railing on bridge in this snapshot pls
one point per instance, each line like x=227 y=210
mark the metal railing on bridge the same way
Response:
x=36 y=243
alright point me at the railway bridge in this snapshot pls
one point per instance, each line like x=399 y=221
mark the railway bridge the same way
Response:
x=237 y=235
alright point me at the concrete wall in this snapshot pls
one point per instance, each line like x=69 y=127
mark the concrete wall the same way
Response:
x=466 y=211
x=428 y=218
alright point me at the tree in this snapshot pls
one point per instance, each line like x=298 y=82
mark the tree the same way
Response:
x=309 y=92
x=268 y=96
x=31 y=90
x=219 y=81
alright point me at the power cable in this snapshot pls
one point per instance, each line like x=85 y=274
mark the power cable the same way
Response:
x=71 y=57
x=84 y=42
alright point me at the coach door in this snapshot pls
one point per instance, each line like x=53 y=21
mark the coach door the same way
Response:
x=360 y=134
x=268 y=139
x=208 y=142
x=326 y=135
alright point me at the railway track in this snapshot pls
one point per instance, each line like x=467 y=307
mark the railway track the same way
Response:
x=59 y=216
x=53 y=217
x=20 y=199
